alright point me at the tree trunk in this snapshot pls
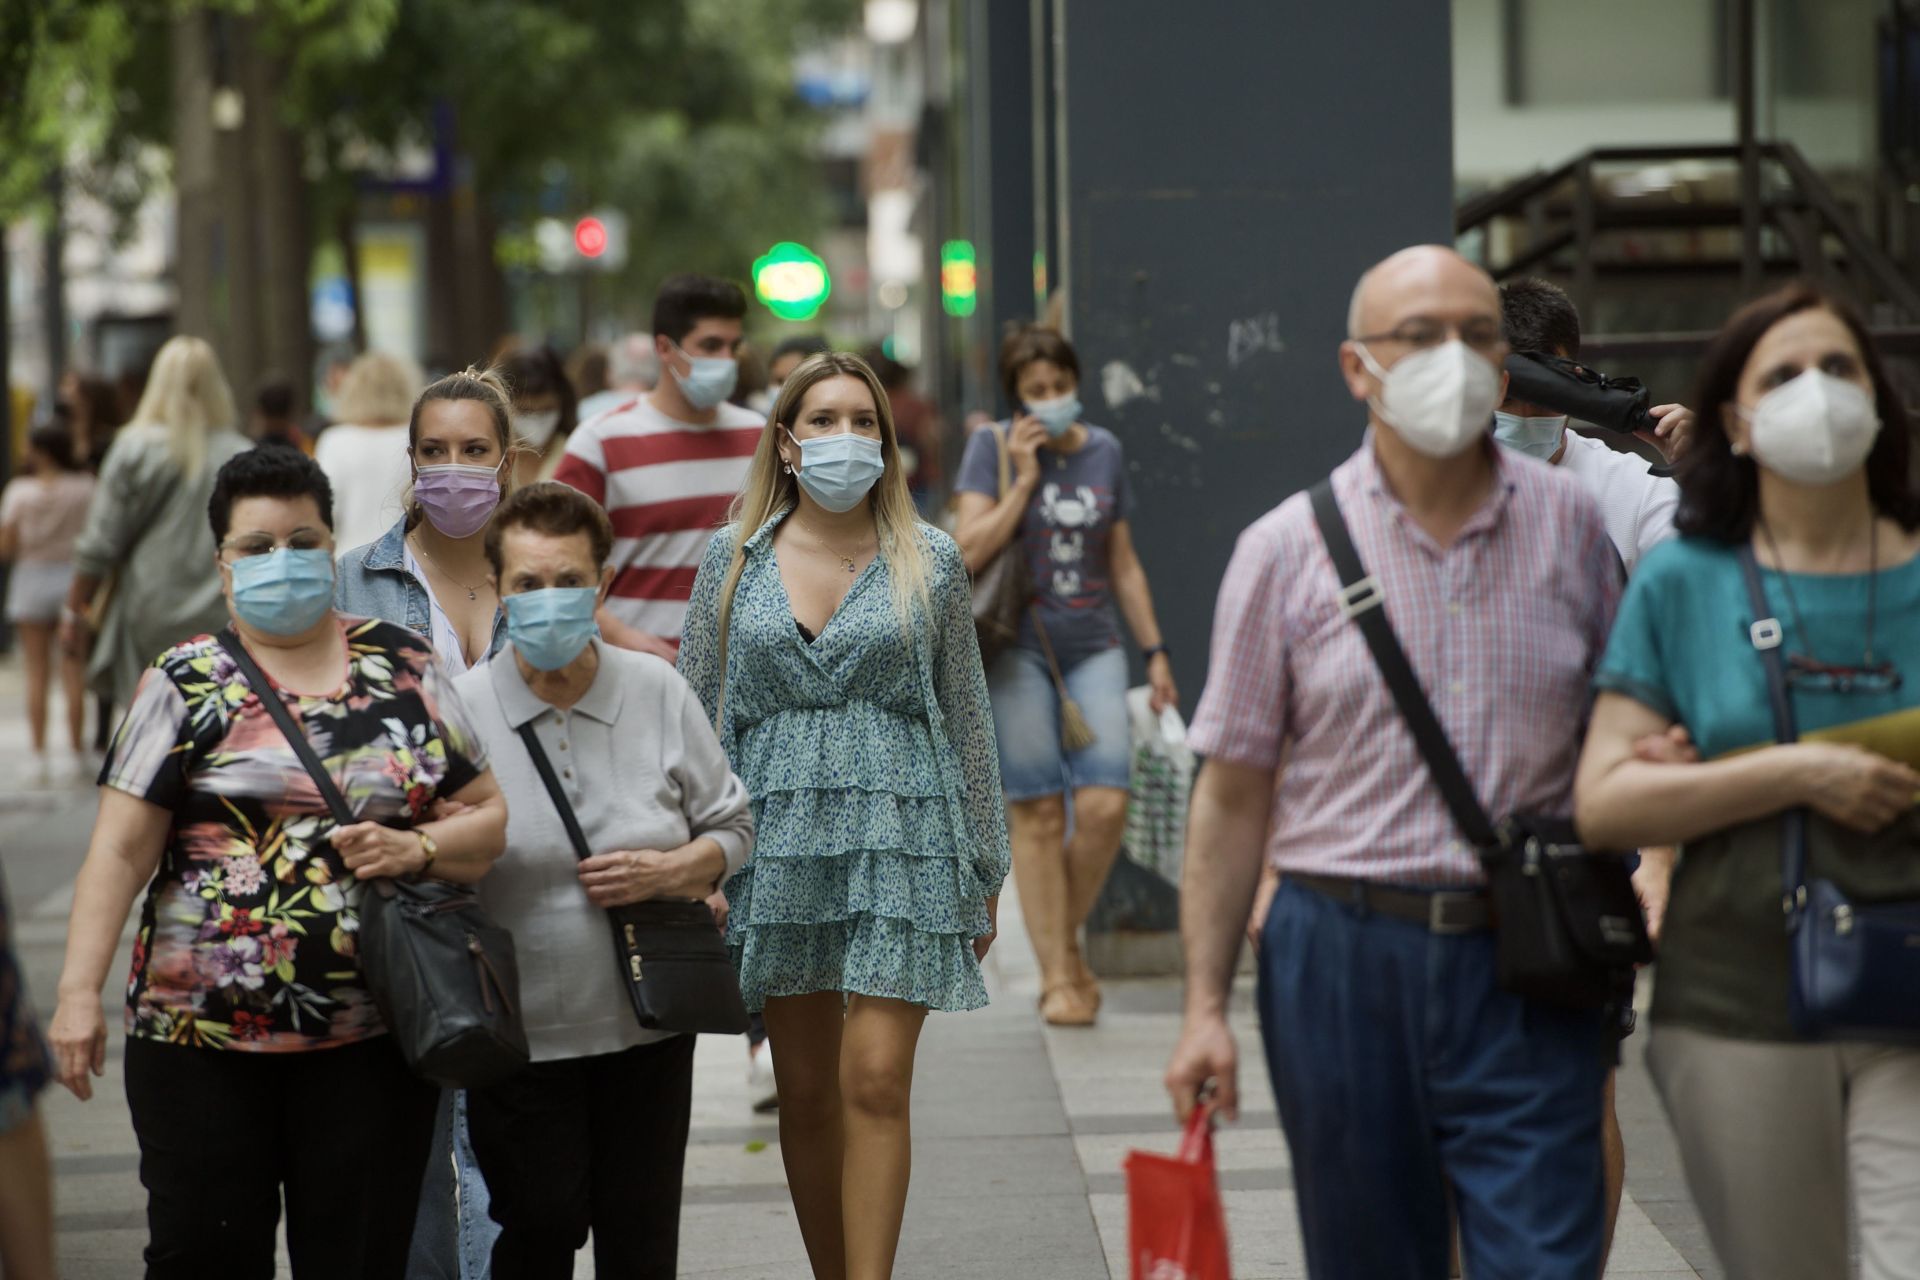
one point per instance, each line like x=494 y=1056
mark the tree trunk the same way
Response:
x=284 y=239
x=195 y=189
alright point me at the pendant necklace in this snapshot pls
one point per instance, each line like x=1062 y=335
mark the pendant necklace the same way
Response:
x=851 y=565
x=472 y=592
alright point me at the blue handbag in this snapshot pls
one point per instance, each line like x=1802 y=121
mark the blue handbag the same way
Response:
x=1854 y=967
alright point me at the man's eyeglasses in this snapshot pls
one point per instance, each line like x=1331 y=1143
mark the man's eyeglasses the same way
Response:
x=1482 y=333
x=242 y=546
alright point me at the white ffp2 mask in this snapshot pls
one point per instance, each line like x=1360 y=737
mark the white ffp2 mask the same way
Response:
x=1440 y=400
x=1814 y=430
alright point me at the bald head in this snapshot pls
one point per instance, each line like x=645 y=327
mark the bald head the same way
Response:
x=1426 y=279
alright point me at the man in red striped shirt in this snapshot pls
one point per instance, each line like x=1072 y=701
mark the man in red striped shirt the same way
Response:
x=667 y=464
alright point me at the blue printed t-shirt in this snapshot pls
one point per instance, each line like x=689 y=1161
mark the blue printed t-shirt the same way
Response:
x=1067 y=532
x=1681 y=647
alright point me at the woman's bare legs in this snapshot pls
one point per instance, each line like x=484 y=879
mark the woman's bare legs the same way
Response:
x=805 y=1032
x=26 y=1203
x=1037 y=830
x=1099 y=819
x=73 y=682
x=36 y=647
x=876 y=1086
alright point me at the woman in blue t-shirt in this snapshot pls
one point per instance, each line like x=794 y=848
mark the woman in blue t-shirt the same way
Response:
x=1067 y=501
x=1801 y=455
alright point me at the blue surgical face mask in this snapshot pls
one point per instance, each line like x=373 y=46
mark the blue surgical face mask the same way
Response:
x=1539 y=437
x=550 y=627
x=837 y=471
x=708 y=380
x=1057 y=415
x=285 y=592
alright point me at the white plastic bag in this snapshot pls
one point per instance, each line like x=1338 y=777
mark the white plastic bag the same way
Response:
x=1160 y=783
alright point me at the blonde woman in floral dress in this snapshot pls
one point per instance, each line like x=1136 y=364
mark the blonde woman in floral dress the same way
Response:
x=831 y=637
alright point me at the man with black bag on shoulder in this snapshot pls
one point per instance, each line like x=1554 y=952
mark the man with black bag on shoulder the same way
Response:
x=1419 y=635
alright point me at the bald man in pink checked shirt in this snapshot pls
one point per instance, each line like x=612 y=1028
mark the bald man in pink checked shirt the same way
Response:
x=1404 y=1074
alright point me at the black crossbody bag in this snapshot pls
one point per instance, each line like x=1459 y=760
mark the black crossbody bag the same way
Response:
x=1853 y=968
x=442 y=971
x=673 y=962
x=1567 y=921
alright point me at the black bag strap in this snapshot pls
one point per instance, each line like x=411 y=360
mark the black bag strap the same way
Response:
x=575 y=835
x=296 y=736
x=1766 y=635
x=1362 y=602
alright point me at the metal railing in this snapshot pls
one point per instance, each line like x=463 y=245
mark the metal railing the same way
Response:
x=1563 y=211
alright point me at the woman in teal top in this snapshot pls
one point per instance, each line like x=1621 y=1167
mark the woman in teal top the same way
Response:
x=831 y=637
x=1802 y=455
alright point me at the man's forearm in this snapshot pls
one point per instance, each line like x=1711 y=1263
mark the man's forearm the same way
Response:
x=1226 y=833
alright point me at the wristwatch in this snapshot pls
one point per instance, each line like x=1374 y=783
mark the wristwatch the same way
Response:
x=428 y=847
x=1148 y=655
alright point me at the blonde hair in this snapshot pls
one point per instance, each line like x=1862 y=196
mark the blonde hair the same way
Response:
x=187 y=398
x=378 y=390
x=772 y=490
x=485 y=387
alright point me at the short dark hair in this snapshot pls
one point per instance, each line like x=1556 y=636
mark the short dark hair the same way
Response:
x=55 y=440
x=532 y=371
x=1720 y=490
x=270 y=471
x=275 y=400
x=1537 y=315
x=555 y=509
x=685 y=300
x=800 y=344
x=1027 y=343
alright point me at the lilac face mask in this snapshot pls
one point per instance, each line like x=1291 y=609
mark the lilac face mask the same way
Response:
x=457 y=499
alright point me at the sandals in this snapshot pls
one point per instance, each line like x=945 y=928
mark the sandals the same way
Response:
x=1064 y=1005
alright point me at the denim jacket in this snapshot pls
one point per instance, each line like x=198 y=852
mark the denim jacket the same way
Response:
x=373 y=582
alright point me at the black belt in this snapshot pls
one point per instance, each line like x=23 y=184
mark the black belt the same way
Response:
x=1444 y=911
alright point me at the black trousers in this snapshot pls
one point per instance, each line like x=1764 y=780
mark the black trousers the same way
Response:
x=583 y=1144
x=343 y=1132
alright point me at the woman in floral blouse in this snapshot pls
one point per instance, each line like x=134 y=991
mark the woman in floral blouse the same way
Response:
x=831 y=637
x=256 y=1061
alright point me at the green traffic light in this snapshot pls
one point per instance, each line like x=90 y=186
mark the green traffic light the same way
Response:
x=959 y=277
x=792 y=281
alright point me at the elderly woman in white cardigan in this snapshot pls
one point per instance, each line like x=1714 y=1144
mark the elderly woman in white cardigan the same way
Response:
x=592 y=1135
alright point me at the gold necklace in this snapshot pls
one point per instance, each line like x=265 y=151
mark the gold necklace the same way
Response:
x=852 y=565
x=472 y=592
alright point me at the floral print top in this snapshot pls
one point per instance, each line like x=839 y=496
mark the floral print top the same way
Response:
x=247 y=937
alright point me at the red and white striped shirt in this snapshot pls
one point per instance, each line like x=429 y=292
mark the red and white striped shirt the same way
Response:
x=666 y=485
x=1504 y=629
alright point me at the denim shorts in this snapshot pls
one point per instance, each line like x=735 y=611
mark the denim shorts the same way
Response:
x=1026 y=720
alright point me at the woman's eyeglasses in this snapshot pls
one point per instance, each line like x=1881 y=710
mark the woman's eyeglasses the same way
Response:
x=242 y=546
x=1827 y=677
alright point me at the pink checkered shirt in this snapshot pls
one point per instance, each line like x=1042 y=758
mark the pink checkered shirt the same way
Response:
x=1504 y=629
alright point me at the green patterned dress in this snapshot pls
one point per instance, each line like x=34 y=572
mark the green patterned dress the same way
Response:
x=869 y=755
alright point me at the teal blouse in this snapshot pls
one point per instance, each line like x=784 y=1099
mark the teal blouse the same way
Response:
x=869 y=756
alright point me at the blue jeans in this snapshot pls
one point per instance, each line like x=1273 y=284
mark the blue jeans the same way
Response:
x=1402 y=1072
x=1026 y=722
x=453 y=1235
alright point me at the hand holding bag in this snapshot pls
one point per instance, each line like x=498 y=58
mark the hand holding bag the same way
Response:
x=442 y=972
x=672 y=959
x=1000 y=589
x=1176 y=1222
x=1853 y=968
x=1568 y=923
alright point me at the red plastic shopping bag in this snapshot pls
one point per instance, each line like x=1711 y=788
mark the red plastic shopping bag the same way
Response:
x=1176 y=1224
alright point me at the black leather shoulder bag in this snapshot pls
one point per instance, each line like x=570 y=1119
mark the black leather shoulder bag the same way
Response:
x=1568 y=923
x=672 y=959
x=442 y=971
x=1853 y=966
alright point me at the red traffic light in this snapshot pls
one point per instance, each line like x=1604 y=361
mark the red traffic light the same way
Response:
x=590 y=237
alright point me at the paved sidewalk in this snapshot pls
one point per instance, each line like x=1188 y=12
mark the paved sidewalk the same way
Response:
x=1020 y=1130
